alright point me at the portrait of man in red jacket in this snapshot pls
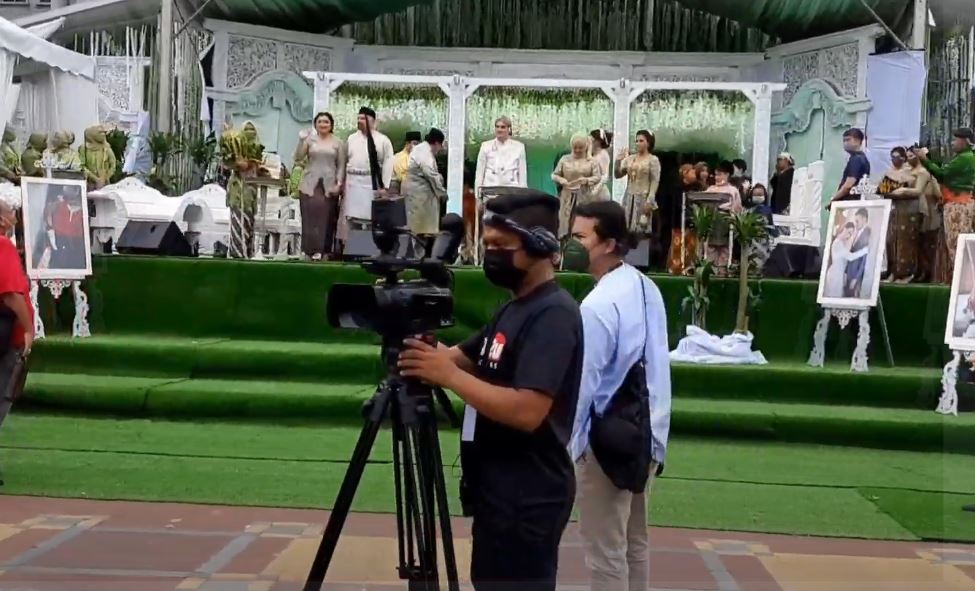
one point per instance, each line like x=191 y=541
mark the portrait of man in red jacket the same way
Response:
x=57 y=226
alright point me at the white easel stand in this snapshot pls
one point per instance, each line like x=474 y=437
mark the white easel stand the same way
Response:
x=843 y=317
x=948 y=405
x=79 y=328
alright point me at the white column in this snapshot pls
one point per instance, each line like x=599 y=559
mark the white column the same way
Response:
x=165 y=65
x=621 y=95
x=457 y=93
x=761 y=159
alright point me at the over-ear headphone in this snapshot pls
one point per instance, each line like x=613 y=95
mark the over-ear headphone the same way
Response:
x=537 y=240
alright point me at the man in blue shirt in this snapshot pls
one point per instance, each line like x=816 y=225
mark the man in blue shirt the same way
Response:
x=624 y=321
x=857 y=167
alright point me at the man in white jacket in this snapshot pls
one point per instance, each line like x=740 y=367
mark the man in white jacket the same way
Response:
x=501 y=162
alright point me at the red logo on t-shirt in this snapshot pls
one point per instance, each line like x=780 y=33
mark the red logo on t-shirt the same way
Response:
x=497 y=347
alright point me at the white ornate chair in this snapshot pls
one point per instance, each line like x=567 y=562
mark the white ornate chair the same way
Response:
x=128 y=200
x=804 y=222
x=205 y=218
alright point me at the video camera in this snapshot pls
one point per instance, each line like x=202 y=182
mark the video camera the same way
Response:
x=392 y=307
x=395 y=309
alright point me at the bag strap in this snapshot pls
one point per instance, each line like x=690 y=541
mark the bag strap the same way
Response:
x=646 y=323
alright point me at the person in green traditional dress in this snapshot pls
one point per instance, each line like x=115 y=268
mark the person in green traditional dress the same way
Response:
x=957 y=180
x=241 y=152
x=30 y=160
x=97 y=159
x=61 y=154
x=9 y=161
x=423 y=187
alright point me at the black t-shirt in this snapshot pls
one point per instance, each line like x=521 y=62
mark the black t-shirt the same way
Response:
x=782 y=190
x=533 y=343
x=857 y=167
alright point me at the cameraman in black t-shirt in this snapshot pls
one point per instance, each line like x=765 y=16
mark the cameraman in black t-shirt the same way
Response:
x=519 y=376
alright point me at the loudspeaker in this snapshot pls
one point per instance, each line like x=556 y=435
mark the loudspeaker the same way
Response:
x=639 y=257
x=360 y=245
x=793 y=261
x=159 y=238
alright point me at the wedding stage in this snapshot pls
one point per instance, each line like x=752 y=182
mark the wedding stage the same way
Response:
x=219 y=338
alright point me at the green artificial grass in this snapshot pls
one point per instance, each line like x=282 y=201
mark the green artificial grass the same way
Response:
x=342 y=403
x=928 y=514
x=767 y=487
x=244 y=299
x=233 y=359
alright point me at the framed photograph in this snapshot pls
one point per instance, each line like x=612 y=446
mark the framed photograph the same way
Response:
x=960 y=327
x=853 y=258
x=57 y=243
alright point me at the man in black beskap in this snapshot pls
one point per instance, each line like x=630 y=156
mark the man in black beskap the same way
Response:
x=519 y=376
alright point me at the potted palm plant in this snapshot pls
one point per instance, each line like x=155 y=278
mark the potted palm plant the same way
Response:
x=118 y=139
x=203 y=152
x=749 y=227
x=163 y=146
x=697 y=299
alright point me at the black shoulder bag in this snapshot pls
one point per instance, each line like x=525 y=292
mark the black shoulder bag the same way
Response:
x=620 y=439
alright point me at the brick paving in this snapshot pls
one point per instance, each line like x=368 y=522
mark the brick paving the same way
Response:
x=77 y=545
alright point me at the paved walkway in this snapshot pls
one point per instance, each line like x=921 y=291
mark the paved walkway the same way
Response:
x=75 y=545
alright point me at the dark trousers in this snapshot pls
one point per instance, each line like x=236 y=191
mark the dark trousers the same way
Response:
x=13 y=374
x=517 y=549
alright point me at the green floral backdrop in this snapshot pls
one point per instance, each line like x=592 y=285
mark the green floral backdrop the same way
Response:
x=399 y=109
x=545 y=120
x=681 y=121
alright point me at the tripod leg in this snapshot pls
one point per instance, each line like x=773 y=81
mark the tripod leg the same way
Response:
x=418 y=575
x=336 y=521
x=440 y=492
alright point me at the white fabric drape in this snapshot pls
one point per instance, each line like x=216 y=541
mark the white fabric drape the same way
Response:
x=895 y=86
x=7 y=62
x=701 y=347
x=55 y=101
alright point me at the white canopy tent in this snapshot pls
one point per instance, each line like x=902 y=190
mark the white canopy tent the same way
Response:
x=71 y=75
x=621 y=92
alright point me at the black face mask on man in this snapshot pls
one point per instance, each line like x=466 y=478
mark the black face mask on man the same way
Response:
x=500 y=269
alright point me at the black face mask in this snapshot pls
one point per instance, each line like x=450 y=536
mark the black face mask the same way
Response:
x=500 y=269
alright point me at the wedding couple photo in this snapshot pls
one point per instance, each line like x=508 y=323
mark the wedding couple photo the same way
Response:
x=854 y=256
x=960 y=330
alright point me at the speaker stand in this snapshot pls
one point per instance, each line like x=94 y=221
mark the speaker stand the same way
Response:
x=79 y=328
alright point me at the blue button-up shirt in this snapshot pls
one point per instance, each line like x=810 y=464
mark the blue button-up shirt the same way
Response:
x=618 y=328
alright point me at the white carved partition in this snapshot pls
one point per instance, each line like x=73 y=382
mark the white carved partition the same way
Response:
x=120 y=82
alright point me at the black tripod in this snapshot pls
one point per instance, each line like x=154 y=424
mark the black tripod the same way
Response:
x=421 y=492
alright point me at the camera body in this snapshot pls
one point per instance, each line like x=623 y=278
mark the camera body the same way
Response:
x=392 y=307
